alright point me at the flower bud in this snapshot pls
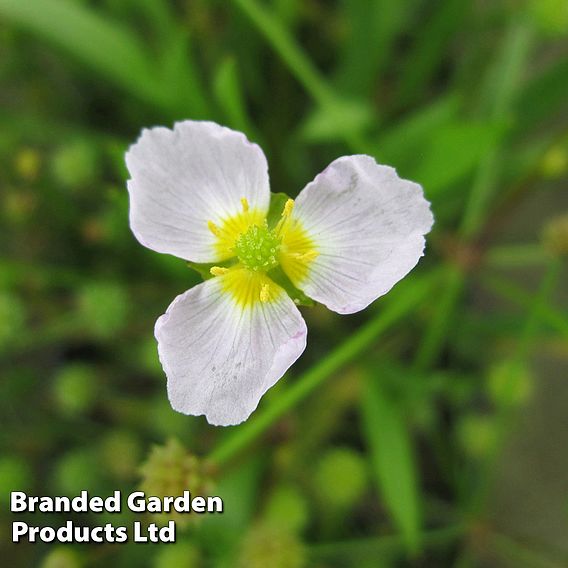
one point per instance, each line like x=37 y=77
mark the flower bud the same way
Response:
x=555 y=235
x=509 y=383
x=169 y=471
x=287 y=508
x=75 y=164
x=12 y=319
x=103 y=308
x=61 y=557
x=269 y=545
x=74 y=389
x=180 y=555
x=554 y=163
x=27 y=164
x=476 y=434
x=120 y=454
x=14 y=473
x=341 y=477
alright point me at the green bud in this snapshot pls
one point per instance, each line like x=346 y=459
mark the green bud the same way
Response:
x=75 y=471
x=74 y=389
x=169 y=471
x=476 y=434
x=120 y=454
x=551 y=16
x=555 y=162
x=61 y=557
x=180 y=555
x=555 y=235
x=103 y=308
x=341 y=477
x=27 y=164
x=75 y=164
x=268 y=545
x=12 y=319
x=15 y=475
x=509 y=384
x=287 y=508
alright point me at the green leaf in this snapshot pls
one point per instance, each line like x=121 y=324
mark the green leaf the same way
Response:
x=406 y=140
x=392 y=456
x=277 y=202
x=333 y=121
x=183 y=85
x=453 y=152
x=107 y=47
x=372 y=28
x=544 y=95
x=229 y=94
x=203 y=269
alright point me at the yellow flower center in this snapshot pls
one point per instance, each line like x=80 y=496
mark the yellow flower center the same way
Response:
x=258 y=249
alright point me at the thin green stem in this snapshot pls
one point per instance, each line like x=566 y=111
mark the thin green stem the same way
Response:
x=289 y=51
x=407 y=298
x=512 y=256
x=368 y=547
x=501 y=81
x=513 y=293
x=507 y=412
x=300 y=65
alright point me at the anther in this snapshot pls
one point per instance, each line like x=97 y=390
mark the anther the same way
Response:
x=214 y=228
x=287 y=211
x=264 y=293
x=289 y=205
x=245 y=204
x=218 y=270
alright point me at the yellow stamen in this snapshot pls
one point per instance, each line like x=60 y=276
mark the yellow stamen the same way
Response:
x=214 y=228
x=287 y=211
x=218 y=270
x=288 y=208
x=308 y=256
x=245 y=204
x=264 y=293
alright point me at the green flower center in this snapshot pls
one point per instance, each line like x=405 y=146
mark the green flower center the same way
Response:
x=257 y=248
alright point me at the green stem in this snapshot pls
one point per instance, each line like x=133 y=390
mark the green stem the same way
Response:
x=506 y=413
x=501 y=81
x=405 y=301
x=369 y=547
x=514 y=256
x=299 y=64
x=288 y=50
x=508 y=290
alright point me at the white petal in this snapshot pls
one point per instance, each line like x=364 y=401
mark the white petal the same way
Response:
x=219 y=358
x=185 y=177
x=367 y=225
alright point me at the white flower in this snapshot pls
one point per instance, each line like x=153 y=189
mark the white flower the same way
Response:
x=201 y=192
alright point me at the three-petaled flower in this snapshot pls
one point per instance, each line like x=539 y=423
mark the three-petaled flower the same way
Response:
x=201 y=192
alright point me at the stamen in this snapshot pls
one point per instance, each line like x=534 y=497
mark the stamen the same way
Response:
x=218 y=270
x=308 y=256
x=264 y=293
x=288 y=208
x=287 y=211
x=245 y=204
x=214 y=228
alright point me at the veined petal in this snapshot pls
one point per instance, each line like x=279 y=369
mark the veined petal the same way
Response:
x=367 y=227
x=186 y=180
x=221 y=356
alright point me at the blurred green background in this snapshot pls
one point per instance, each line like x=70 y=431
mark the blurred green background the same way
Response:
x=428 y=431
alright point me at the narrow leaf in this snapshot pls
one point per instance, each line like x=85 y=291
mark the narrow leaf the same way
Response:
x=395 y=472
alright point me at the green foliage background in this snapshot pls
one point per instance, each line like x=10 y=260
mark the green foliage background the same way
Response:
x=429 y=430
